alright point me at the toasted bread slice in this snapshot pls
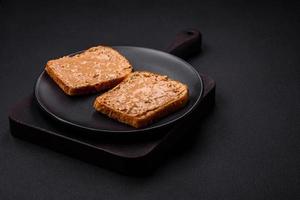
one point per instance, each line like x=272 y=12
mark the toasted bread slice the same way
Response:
x=142 y=98
x=96 y=69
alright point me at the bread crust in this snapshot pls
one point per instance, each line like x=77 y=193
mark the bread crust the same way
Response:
x=148 y=117
x=88 y=88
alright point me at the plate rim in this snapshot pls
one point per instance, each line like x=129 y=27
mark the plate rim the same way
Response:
x=43 y=107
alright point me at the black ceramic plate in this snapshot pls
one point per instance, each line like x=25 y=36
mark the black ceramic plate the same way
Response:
x=78 y=111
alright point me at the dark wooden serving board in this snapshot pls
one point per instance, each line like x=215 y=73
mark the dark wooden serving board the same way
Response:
x=133 y=156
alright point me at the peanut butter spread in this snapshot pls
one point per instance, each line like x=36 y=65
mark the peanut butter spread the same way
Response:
x=93 y=66
x=142 y=92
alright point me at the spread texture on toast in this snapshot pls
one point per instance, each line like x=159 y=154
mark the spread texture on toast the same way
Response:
x=93 y=70
x=142 y=98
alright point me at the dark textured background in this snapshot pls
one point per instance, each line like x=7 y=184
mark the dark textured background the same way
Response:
x=247 y=148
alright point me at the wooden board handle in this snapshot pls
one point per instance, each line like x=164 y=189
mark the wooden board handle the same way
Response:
x=186 y=43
